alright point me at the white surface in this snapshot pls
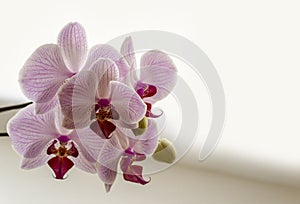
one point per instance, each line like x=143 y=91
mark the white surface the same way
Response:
x=253 y=44
x=176 y=185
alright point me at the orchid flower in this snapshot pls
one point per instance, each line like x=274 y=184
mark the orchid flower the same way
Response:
x=95 y=98
x=51 y=65
x=40 y=139
x=123 y=148
x=156 y=78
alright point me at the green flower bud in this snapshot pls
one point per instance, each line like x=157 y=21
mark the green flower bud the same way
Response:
x=165 y=151
x=143 y=124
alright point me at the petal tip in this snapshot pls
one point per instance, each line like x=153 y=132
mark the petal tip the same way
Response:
x=107 y=187
x=73 y=45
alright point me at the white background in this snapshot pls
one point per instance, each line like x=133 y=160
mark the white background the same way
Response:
x=254 y=45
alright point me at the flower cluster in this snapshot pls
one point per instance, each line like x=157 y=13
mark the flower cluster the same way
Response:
x=92 y=109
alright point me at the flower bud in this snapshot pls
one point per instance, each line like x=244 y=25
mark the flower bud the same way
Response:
x=165 y=151
x=143 y=124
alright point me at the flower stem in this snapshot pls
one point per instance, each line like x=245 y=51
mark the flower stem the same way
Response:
x=8 y=108
x=3 y=134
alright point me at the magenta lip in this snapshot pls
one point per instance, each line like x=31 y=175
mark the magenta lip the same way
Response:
x=63 y=138
x=129 y=151
x=104 y=102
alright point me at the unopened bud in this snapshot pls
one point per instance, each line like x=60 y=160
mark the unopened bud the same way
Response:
x=143 y=124
x=165 y=151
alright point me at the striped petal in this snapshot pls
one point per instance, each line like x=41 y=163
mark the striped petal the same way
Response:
x=40 y=160
x=106 y=51
x=108 y=159
x=43 y=74
x=91 y=142
x=158 y=69
x=127 y=103
x=77 y=99
x=41 y=108
x=73 y=45
x=30 y=133
x=107 y=175
x=127 y=51
x=84 y=161
x=106 y=71
x=147 y=142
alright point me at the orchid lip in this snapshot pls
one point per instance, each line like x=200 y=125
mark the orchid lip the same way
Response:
x=103 y=128
x=135 y=177
x=130 y=151
x=149 y=113
x=133 y=173
x=104 y=102
x=104 y=113
x=145 y=90
x=61 y=164
x=63 y=139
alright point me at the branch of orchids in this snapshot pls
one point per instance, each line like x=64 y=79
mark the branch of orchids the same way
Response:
x=14 y=107
x=4 y=134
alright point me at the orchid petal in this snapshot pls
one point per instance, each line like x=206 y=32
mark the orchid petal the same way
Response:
x=107 y=51
x=95 y=127
x=107 y=187
x=126 y=125
x=106 y=71
x=158 y=69
x=128 y=53
x=39 y=160
x=125 y=163
x=157 y=58
x=73 y=45
x=144 y=143
x=107 y=175
x=41 y=108
x=140 y=157
x=108 y=159
x=68 y=123
x=30 y=133
x=91 y=142
x=84 y=161
x=147 y=142
x=43 y=74
x=127 y=103
x=77 y=99
x=60 y=120
x=111 y=151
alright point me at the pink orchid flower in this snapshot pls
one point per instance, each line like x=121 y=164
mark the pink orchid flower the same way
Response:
x=95 y=98
x=123 y=148
x=40 y=139
x=51 y=65
x=155 y=79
